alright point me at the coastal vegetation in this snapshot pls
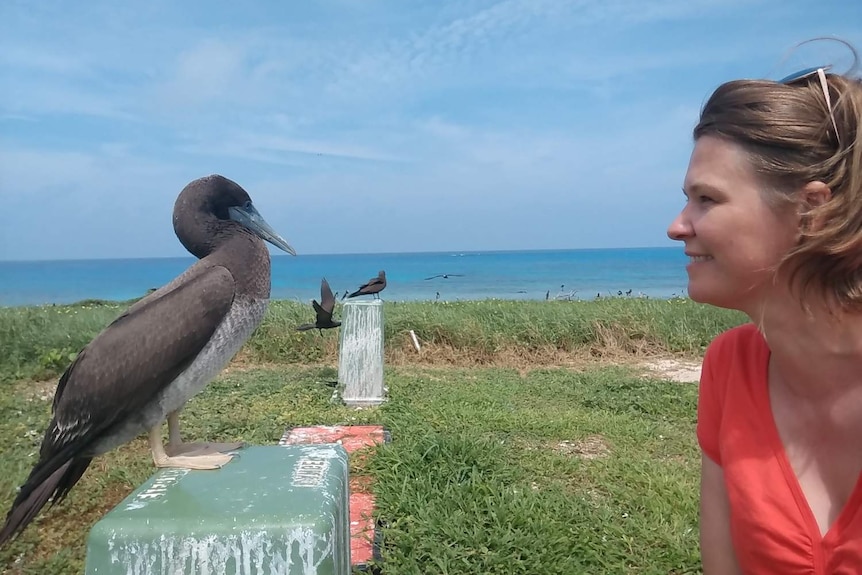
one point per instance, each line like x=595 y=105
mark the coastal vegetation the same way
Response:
x=39 y=341
x=527 y=437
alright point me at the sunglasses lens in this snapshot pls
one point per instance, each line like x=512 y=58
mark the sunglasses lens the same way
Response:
x=801 y=74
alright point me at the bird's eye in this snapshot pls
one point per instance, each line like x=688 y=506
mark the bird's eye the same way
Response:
x=247 y=205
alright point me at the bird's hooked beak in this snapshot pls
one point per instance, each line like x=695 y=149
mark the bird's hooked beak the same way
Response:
x=249 y=217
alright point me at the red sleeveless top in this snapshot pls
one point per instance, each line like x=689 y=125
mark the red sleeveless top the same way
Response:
x=772 y=527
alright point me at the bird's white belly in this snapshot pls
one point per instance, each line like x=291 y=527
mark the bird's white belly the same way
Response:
x=241 y=320
x=231 y=334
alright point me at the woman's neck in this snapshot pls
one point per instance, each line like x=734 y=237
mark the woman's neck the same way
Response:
x=817 y=353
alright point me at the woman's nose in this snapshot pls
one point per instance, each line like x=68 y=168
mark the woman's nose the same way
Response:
x=680 y=228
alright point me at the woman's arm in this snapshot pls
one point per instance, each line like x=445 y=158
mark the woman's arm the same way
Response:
x=716 y=547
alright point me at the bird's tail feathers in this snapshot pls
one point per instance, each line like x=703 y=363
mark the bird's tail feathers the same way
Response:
x=305 y=327
x=32 y=498
x=354 y=294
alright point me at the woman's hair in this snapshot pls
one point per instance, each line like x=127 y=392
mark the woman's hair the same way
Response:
x=788 y=133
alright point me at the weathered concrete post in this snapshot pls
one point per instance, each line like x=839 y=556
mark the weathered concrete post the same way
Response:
x=360 y=356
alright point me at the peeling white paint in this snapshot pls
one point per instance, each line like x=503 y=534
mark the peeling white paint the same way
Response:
x=158 y=489
x=304 y=435
x=360 y=357
x=246 y=535
x=310 y=472
x=244 y=553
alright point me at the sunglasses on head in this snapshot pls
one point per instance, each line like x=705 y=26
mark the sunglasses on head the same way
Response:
x=820 y=72
x=806 y=73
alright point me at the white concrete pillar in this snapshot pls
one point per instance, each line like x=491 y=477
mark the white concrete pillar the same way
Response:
x=360 y=356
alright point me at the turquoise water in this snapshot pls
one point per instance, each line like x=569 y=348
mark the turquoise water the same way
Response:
x=574 y=274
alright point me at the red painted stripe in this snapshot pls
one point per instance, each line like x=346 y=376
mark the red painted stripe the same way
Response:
x=353 y=438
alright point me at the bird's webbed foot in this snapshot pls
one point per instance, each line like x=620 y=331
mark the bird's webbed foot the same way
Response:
x=193 y=455
x=215 y=461
x=199 y=449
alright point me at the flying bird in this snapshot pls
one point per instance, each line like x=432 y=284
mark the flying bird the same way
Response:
x=143 y=367
x=323 y=310
x=373 y=286
x=446 y=276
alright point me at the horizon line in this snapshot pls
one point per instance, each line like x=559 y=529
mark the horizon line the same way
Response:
x=417 y=252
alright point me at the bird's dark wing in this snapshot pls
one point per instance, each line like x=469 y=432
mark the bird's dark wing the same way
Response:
x=128 y=363
x=437 y=276
x=371 y=283
x=136 y=356
x=327 y=300
x=322 y=316
x=362 y=289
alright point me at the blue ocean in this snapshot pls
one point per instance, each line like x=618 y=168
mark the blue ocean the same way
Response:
x=517 y=275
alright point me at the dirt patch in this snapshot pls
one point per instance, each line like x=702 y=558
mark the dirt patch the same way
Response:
x=590 y=447
x=674 y=369
x=521 y=358
x=38 y=390
x=653 y=362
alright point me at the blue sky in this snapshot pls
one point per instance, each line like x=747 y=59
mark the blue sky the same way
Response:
x=372 y=126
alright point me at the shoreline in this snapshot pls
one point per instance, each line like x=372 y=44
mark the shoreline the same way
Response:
x=522 y=298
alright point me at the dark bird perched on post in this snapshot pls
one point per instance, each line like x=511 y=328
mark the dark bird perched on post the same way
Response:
x=373 y=286
x=323 y=310
x=446 y=276
x=143 y=367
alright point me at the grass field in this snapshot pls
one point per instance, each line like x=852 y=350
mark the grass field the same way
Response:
x=526 y=437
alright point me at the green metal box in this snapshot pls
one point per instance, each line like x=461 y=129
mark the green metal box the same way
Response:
x=271 y=510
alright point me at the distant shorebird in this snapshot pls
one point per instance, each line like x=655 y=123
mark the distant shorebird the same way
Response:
x=323 y=310
x=446 y=276
x=143 y=367
x=372 y=287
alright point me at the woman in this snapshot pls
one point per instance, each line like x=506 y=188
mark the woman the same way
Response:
x=773 y=227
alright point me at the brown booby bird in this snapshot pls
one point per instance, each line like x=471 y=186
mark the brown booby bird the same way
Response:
x=323 y=310
x=144 y=366
x=373 y=286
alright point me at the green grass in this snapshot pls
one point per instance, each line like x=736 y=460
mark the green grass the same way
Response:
x=497 y=466
x=37 y=342
x=484 y=474
x=488 y=471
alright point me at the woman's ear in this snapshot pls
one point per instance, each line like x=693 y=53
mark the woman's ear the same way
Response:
x=815 y=194
x=812 y=197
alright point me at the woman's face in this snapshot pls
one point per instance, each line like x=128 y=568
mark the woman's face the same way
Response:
x=733 y=238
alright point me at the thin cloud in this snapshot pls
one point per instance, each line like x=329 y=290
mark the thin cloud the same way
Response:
x=449 y=122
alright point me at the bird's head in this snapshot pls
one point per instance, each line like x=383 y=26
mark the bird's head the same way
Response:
x=209 y=208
